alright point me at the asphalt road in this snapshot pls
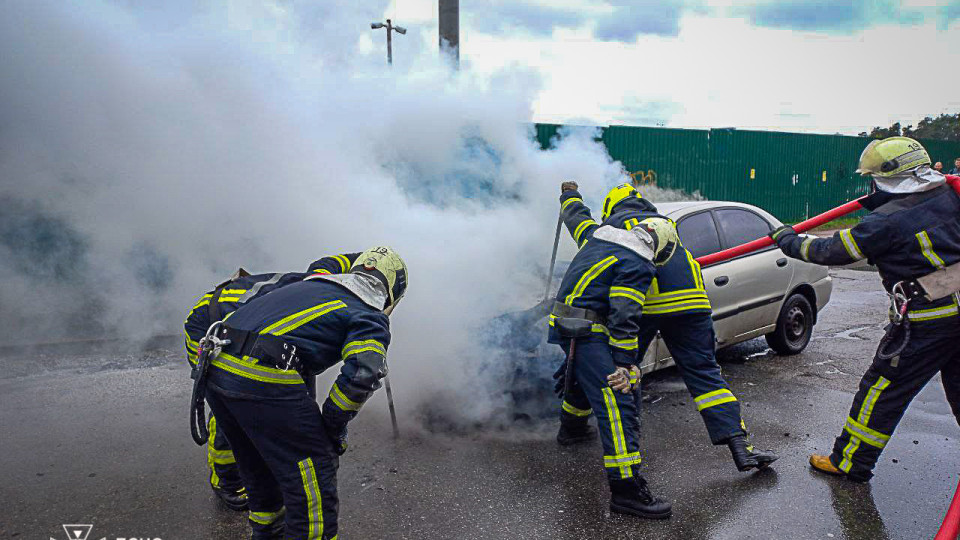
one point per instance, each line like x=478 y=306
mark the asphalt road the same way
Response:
x=102 y=438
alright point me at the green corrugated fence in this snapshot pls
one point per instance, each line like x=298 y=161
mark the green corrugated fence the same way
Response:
x=792 y=175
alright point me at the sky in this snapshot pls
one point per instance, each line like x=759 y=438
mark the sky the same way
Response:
x=812 y=66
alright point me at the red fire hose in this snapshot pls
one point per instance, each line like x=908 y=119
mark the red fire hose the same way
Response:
x=951 y=522
x=801 y=227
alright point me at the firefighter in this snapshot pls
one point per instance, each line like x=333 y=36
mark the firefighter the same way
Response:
x=595 y=319
x=287 y=447
x=213 y=306
x=677 y=306
x=912 y=230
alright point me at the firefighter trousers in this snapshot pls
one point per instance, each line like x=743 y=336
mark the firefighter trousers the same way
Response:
x=617 y=414
x=886 y=390
x=287 y=463
x=220 y=460
x=690 y=339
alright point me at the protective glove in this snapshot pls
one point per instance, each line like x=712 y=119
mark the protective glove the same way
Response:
x=569 y=185
x=337 y=432
x=624 y=380
x=782 y=235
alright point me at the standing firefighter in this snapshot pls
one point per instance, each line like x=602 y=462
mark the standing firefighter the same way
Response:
x=214 y=306
x=677 y=306
x=595 y=319
x=911 y=234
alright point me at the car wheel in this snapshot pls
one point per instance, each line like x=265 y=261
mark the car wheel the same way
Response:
x=794 y=326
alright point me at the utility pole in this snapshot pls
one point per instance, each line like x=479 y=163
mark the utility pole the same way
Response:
x=449 y=11
x=390 y=30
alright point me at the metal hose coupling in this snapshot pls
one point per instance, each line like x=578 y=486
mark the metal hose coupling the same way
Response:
x=208 y=348
x=897 y=333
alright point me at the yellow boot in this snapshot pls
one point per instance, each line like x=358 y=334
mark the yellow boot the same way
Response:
x=822 y=464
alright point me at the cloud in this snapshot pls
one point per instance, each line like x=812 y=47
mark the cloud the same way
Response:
x=612 y=21
x=535 y=19
x=634 y=111
x=831 y=16
x=628 y=22
x=948 y=13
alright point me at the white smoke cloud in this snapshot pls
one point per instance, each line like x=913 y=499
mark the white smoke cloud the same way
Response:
x=149 y=149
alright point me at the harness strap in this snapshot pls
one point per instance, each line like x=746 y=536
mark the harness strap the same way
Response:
x=213 y=308
x=268 y=349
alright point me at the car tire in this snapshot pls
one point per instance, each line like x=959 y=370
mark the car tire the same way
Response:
x=794 y=326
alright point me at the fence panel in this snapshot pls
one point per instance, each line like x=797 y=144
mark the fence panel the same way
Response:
x=792 y=175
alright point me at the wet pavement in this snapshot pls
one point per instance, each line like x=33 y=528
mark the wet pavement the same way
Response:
x=91 y=438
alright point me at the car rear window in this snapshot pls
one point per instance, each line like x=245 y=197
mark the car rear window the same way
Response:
x=741 y=226
x=699 y=234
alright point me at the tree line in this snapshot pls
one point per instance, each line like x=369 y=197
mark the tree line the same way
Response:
x=945 y=127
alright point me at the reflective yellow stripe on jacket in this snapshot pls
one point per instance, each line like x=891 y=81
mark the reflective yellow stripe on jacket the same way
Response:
x=231 y=295
x=591 y=274
x=628 y=293
x=300 y=318
x=344 y=263
x=679 y=300
x=926 y=246
x=676 y=301
x=249 y=368
x=929 y=314
x=578 y=232
x=342 y=401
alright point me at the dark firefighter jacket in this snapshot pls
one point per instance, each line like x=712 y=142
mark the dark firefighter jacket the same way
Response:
x=678 y=287
x=612 y=280
x=243 y=289
x=905 y=236
x=327 y=324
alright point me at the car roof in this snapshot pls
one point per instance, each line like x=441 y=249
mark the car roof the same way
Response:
x=676 y=210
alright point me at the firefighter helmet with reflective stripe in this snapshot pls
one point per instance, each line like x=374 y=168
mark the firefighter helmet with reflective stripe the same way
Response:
x=617 y=195
x=386 y=265
x=892 y=156
x=665 y=239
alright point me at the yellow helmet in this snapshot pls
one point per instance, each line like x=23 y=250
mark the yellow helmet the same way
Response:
x=665 y=238
x=386 y=265
x=892 y=156
x=616 y=195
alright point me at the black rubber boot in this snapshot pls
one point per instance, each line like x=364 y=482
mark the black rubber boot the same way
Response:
x=632 y=496
x=746 y=457
x=273 y=531
x=574 y=430
x=233 y=499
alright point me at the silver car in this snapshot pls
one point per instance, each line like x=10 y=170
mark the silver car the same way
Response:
x=764 y=293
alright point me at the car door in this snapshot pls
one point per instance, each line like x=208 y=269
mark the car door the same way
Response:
x=699 y=234
x=756 y=283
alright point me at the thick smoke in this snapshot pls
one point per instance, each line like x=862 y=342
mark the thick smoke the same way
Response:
x=147 y=150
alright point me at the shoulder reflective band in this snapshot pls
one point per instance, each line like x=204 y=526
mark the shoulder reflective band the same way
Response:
x=257 y=286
